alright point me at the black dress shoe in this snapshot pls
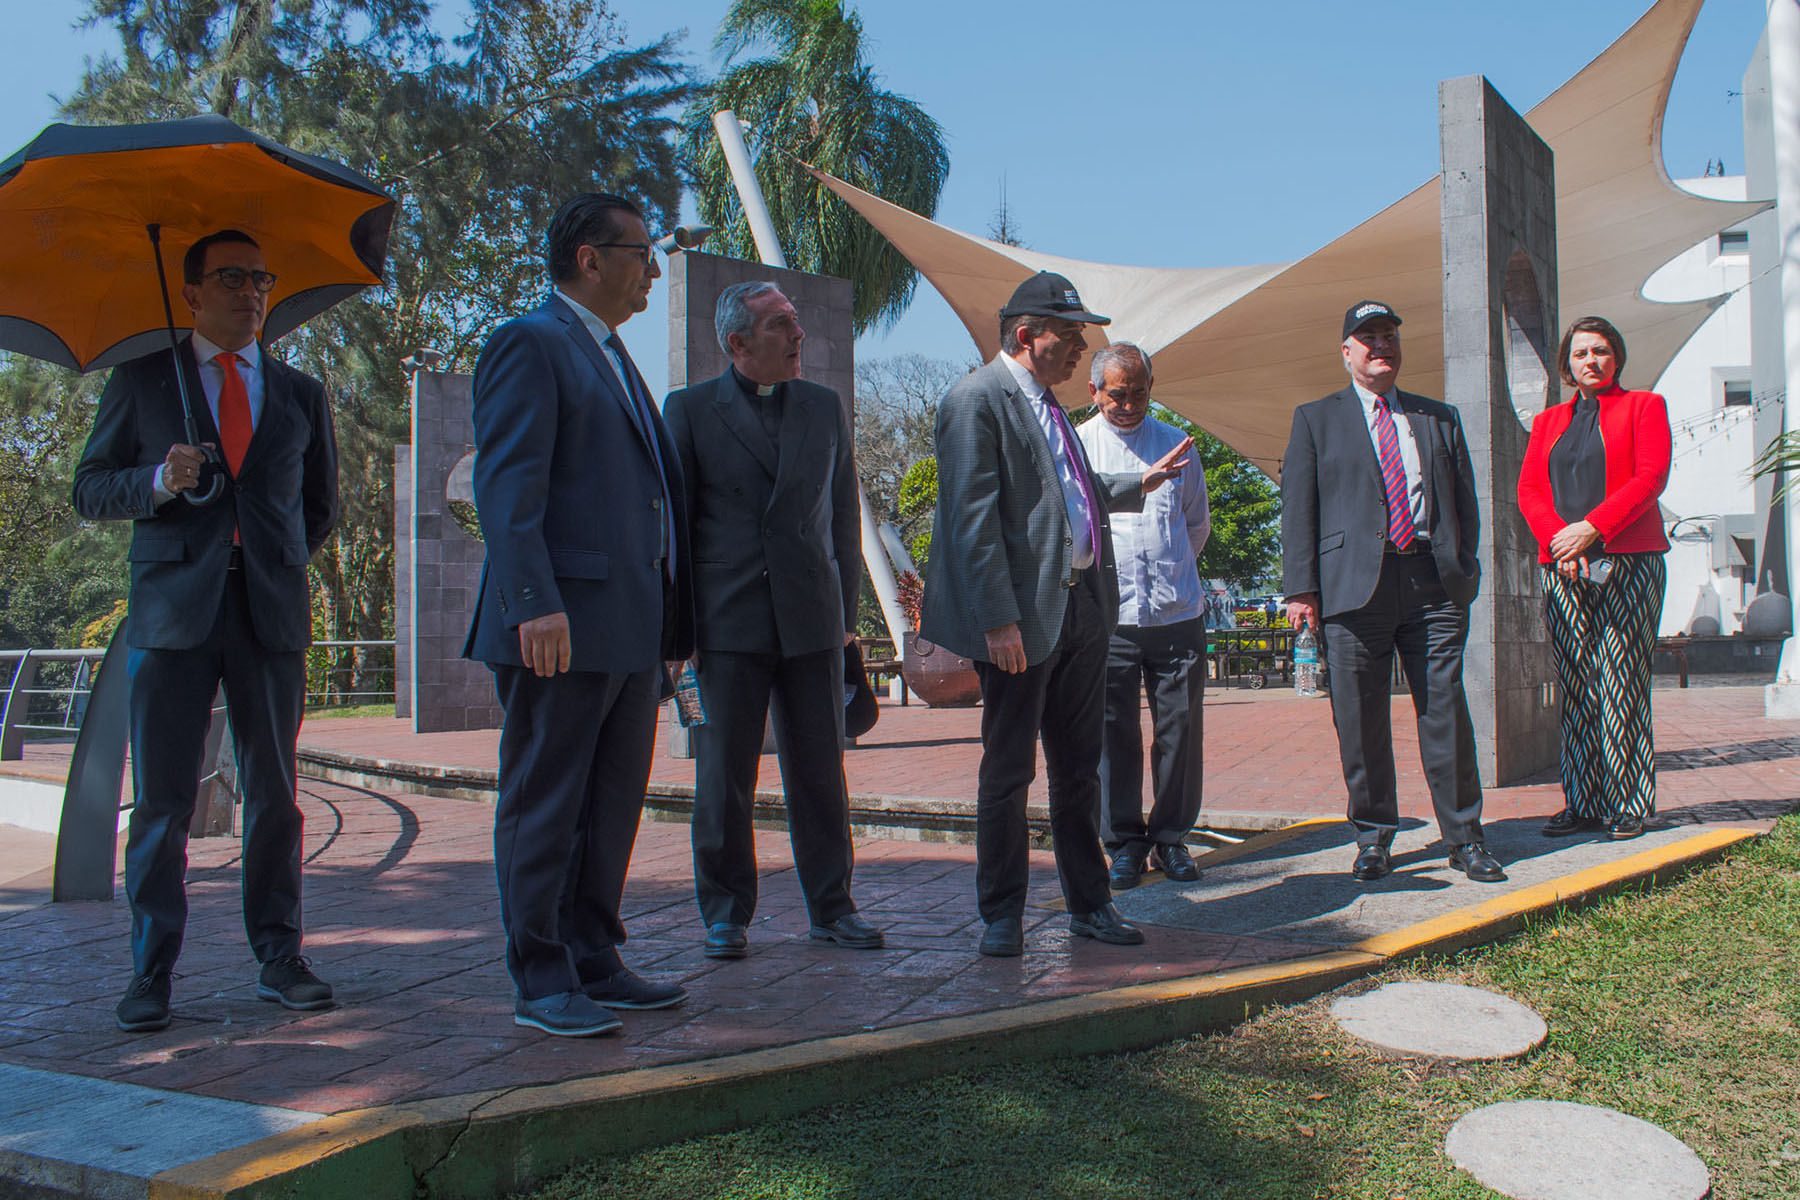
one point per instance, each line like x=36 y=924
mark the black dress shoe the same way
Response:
x=725 y=940
x=145 y=1006
x=1005 y=938
x=1566 y=823
x=566 y=1014
x=1473 y=860
x=1371 y=863
x=289 y=982
x=850 y=930
x=1175 y=862
x=1127 y=868
x=625 y=988
x=1625 y=828
x=1107 y=925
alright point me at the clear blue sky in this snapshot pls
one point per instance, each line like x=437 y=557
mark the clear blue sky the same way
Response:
x=1180 y=134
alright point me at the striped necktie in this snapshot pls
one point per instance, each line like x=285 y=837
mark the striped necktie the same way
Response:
x=1393 y=476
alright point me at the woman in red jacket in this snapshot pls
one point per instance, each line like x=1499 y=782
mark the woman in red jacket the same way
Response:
x=1593 y=471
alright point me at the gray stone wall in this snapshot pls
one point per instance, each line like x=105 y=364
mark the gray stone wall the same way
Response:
x=448 y=691
x=403 y=659
x=695 y=280
x=1500 y=335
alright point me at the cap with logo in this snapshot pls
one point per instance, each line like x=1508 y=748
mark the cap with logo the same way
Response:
x=1364 y=311
x=1048 y=294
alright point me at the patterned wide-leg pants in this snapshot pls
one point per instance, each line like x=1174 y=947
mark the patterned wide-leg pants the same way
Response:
x=1602 y=636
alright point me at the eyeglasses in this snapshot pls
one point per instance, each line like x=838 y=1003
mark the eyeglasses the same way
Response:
x=645 y=250
x=233 y=279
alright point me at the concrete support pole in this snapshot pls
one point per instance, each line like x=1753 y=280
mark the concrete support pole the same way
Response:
x=768 y=248
x=1782 y=698
x=1500 y=328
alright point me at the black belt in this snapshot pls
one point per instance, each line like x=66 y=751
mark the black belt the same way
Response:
x=236 y=561
x=1076 y=575
x=1418 y=545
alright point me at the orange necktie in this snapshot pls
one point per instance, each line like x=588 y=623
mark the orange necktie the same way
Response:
x=234 y=411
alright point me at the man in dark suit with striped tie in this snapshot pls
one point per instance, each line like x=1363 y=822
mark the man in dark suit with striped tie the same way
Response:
x=218 y=596
x=1022 y=581
x=584 y=596
x=1378 y=538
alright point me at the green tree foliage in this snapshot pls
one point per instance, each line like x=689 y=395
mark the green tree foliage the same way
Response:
x=815 y=100
x=478 y=139
x=1244 y=547
x=54 y=573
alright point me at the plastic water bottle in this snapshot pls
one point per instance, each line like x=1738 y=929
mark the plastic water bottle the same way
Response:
x=1306 y=663
x=688 y=708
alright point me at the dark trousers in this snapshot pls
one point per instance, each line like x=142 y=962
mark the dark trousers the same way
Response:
x=1411 y=615
x=1061 y=699
x=172 y=694
x=1167 y=665
x=574 y=758
x=804 y=694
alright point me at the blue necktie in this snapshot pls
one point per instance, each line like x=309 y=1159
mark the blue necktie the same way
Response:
x=644 y=415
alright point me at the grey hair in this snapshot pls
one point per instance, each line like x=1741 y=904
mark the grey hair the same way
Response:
x=1118 y=353
x=733 y=313
x=1010 y=327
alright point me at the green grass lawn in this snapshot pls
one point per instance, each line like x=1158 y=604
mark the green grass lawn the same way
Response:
x=351 y=710
x=1680 y=1006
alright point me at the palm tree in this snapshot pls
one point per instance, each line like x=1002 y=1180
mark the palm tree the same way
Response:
x=814 y=100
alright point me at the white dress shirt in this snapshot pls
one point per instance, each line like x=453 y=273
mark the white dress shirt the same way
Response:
x=212 y=382
x=1074 y=496
x=1155 y=549
x=1409 y=450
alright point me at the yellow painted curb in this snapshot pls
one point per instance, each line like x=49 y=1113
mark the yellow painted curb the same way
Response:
x=1493 y=918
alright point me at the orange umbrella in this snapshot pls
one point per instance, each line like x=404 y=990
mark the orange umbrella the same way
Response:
x=85 y=211
x=78 y=209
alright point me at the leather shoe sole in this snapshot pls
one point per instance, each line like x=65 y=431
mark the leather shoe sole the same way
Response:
x=1108 y=927
x=1479 y=866
x=851 y=932
x=1005 y=938
x=726 y=941
x=1176 y=864
x=1370 y=866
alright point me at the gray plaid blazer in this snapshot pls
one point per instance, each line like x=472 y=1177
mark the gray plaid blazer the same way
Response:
x=1001 y=548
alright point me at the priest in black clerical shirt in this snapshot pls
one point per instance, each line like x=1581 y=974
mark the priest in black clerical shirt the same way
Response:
x=777 y=553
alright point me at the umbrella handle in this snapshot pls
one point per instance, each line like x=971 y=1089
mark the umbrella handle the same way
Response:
x=215 y=469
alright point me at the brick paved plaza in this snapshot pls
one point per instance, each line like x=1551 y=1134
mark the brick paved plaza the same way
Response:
x=402 y=915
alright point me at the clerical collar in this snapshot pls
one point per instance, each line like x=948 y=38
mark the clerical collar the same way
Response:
x=765 y=390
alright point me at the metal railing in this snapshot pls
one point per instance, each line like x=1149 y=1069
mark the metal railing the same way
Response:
x=46 y=690
x=46 y=694
x=340 y=673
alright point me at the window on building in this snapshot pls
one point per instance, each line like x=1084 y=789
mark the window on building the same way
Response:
x=1737 y=392
x=1734 y=242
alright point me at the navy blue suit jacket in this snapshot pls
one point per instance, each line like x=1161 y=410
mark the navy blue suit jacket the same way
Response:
x=571 y=503
x=283 y=502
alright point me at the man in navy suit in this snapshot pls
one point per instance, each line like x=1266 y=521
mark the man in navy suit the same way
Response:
x=218 y=595
x=583 y=598
x=1378 y=540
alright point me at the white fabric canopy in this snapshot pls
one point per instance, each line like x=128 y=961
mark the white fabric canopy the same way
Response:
x=1238 y=348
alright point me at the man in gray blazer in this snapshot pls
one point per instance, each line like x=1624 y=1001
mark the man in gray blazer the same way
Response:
x=777 y=538
x=1378 y=529
x=1021 y=580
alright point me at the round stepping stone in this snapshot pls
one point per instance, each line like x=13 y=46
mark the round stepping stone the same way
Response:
x=1441 y=1020
x=1553 y=1150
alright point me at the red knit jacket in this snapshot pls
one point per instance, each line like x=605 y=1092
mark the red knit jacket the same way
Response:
x=1634 y=427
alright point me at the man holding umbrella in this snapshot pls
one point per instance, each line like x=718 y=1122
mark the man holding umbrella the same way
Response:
x=218 y=595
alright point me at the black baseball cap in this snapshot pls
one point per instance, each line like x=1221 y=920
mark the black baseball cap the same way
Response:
x=1048 y=294
x=1364 y=311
